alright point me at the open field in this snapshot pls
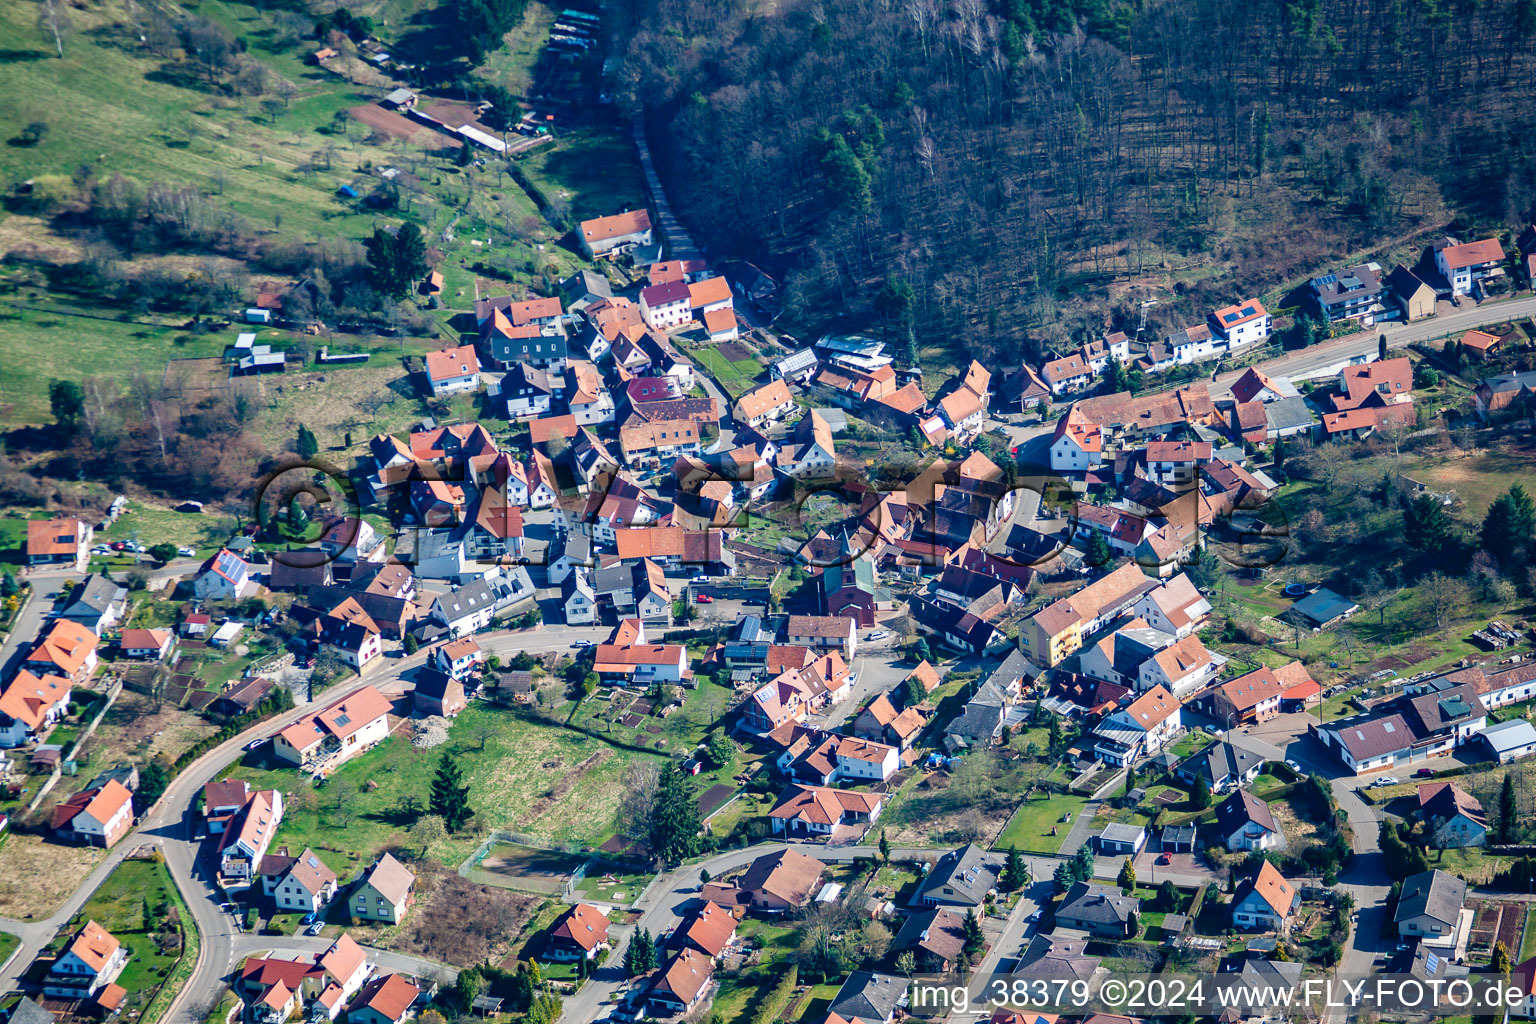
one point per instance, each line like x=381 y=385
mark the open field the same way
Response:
x=529 y=776
x=1029 y=830
x=37 y=875
x=1477 y=478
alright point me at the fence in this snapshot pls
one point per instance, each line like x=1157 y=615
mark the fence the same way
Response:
x=533 y=878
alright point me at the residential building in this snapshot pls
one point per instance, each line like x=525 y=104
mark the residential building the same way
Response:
x=302 y=884
x=453 y=370
x=460 y=658
x=681 y=984
x=92 y=960
x=1354 y=294
x=936 y=938
x=96 y=603
x=869 y=998
x=222 y=800
x=1413 y=298
x=1453 y=818
x=1245 y=323
x=1175 y=607
x=1510 y=741
x=960 y=878
x=438 y=693
x=62 y=541
x=1514 y=390
x=1265 y=901
x=1141 y=729
x=616 y=233
x=225 y=577
x=1251 y=697
x=525 y=391
x=96 y=817
x=384 y=999
x=1244 y=822
x=324 y=740
x=1069 y=373
x=824 y=632
x=1078 y=443
x=1098 y=910
x=817 y=811
x=30 y=705
x=665 y=306
x=759 y=405
x=775 y=883
x=1058 y=629
x=1430 y=905
x=384 y=892
x=246 y=839
x=1222 y=764
x=1465 y=265
x=580 y=934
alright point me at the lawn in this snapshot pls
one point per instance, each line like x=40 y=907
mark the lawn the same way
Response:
x=134 y=896
x=1477 y=478
x=1528 y=938
x=1030 y=827
x=8 y=945
x=593 y=169
x=529 y=776
x=733 y=376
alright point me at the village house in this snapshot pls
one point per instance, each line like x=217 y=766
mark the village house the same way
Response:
x=1141 y=729
x=384 y=999
x=665 y=306
x=96 y=817
x=1265 y=902
x=1430 y=907
x=765 y=402
x=453 y=370
x=580 y=934
x=225 y=577
x=617 y=233
x=96 y=603
x=1069 y=373
x=825 y=632
x=438 y=693
x=1098 y=910
x=62 y=541
x=817 y=811
x=1244 y=822
x=384 y=892
x=1245 y=323
x=247 y=837
x=961 y=878
x=31 y=704
x=1251 y=697
x=458 y=658
x=92 y=961
x=339 y=732
x=681 y=984
x=1354 y=294
x=1059 y=629
x=1465 y=265
x=302 y=884
x=775 y=883
x=936 y=938
x=146 y=644
x=1452 y=816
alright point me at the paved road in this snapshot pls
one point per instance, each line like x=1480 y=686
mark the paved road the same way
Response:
x=679 y=243
x=1309 y=360
x=171 y=822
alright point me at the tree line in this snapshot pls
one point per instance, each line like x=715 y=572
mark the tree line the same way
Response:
x=1003 y=159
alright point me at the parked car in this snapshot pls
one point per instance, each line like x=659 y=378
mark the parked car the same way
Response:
x=701 y=579
x=582 y=643
x=878 y=634
x=254 y=744
x=1036 y=916
x=1165 y=858
x=1292 y=765
x=1211 y=729
x=1424 y=773
x=703 y=599
x=187 y=552
x=314 y=929
x=1386 y=780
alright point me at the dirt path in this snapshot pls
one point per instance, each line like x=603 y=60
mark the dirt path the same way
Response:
x=567 y=783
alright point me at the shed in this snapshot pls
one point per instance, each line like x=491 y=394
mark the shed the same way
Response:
x=257 y=315
x=1323 y=608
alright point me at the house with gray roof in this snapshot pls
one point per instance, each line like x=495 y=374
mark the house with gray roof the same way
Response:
x=1245 y=822
x=1058 y=955
x=1121 y=840
x=961 y=878
x=1430 y=905
x=96 y=603
x=1098 y=910
x=870 y=997
x=1223 y=764
x=1510 y=741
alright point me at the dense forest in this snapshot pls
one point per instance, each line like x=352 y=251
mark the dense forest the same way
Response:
x=1001 y=172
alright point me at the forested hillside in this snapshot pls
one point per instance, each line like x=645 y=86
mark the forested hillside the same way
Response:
x=1002 y=172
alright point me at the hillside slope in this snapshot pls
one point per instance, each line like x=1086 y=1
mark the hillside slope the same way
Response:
x=1024 y=176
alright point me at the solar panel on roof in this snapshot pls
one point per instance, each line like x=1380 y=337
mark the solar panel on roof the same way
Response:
x=343 y=719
